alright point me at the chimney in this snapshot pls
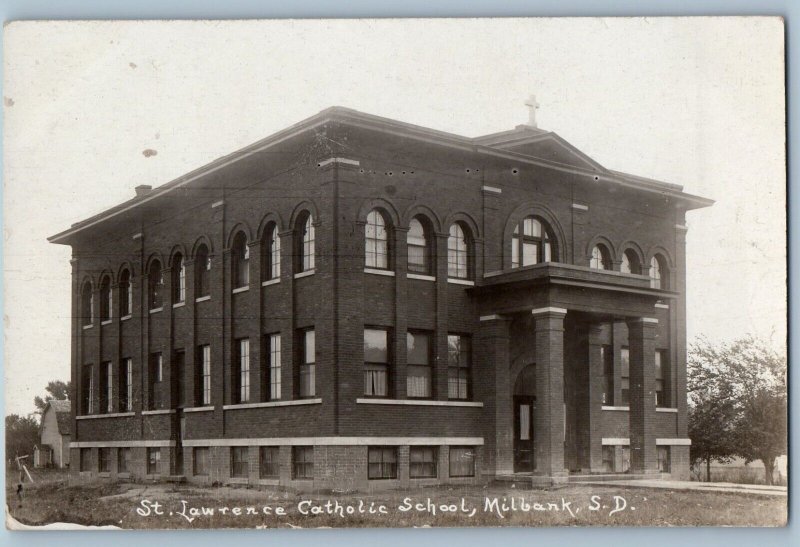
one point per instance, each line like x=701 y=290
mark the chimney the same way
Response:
x=143 y=190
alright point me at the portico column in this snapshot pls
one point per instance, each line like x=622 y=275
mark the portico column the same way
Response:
x=549 y=416
x=642 y=415
x=493 y=353
x=595 y=395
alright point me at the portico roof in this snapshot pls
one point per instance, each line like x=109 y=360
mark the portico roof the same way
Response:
x=578 y=288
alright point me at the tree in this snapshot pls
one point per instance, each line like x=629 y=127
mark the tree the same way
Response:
x=57 y=390
x=759 y=374
x=711 y=407
x=738 y=402
x=22 y=433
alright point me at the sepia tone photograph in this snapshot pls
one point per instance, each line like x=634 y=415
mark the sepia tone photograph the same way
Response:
x=395 y=273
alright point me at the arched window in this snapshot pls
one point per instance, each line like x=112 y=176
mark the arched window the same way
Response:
x=272 y=252
x=240 y=254
x=419 y=247
x=304 y=243
x=659 y=276
x=178 y=279
x=377 y=241
x=532 y=243
x=155 y=285
x=87 y=304
x=106 y=304
x=458 y=252
x=601 y=258
x=202 y=268
x=126 y=294
x=630 y=263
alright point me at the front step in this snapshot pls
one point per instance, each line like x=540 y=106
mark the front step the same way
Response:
x=527 y=481
x=604 y=477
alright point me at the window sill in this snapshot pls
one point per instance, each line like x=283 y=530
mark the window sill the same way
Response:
x=124 y=475
x=103 y=473
x=662 y=306
x=375 y=271
x=269 y=282
x=109 y=415
x=304 y=274
x=237 y=480
x=421 y=277
x=198 y=409
x=157 y=310
x=238 y=290
x=269 y=404
x=457 y=281
x=666 y=409
x=160 y=411
x=269 y=482
x=203 y=298
x=180 y=304
x=87 y=327
x=125 y=317
x=620 y=408
x=106 y=322
x=418 y=402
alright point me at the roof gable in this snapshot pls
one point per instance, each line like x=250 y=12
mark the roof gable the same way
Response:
x=550 y=147
x=63 y=412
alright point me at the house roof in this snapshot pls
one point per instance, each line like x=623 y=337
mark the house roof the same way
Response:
x=63 y=410
x=524 y=144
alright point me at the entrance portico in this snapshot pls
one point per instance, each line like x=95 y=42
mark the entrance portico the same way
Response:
x=541 y=332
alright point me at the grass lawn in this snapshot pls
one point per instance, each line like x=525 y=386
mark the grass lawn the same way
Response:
x=154 y=506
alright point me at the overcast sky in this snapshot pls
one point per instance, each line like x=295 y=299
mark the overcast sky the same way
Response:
x=698 y=102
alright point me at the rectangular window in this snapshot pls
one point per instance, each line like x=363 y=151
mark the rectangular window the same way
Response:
x=608 y=458
x=458 y=366
x=201 y=458
x=422 y=462
x=268 y=462
x=153 y=460
x=87 y=388
x=303 y=462
x=108 y=386
x=204 y=376
x=625 y=381
x=156 y=377
x=418 y=371
x=242 y=372
x=308 y=367
x=126 y=385
x=123 y=460
x=274 y=354
x=462 y=461
x=239 y=463
x=376 y=362
x=662 y=376
x=86 y=459
x=607 y=358
x=104 y=460
x=179 y=371
x=663 y=459
x=382 y=462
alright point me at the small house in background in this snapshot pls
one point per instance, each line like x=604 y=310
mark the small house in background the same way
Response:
x=55 y=432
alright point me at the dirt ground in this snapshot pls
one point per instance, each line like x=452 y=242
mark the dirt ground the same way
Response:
x=54 y=498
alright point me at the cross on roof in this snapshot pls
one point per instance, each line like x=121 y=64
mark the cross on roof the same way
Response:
x=532 y=107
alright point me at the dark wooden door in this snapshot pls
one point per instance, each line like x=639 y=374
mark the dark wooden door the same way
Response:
x=524 y=460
